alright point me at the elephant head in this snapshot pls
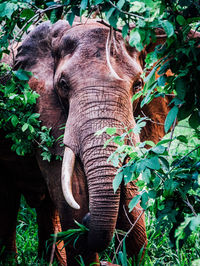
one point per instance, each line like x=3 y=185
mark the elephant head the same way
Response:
x=85 y=81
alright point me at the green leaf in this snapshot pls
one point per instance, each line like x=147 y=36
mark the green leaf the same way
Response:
x=180 y=88
x=152 y=194
x=70 y=18
x=170 y=118
x=146 y=175
x=14 y=120
x=182 y=138
x=137 y=6
x=158 y=149
x=97 y=2
x=144 y=200
x=109 y=13
x=7 y=9
x=181 y=20
x=27 y=13
x=111 y=130
x=194 y=120
x=134 y=37
x=136 y=96
x=162 y=80
x=134 y=202
x=22 y=74
x=152 y=163
x=168 y=27
x=117 y=181
x=84 y=4
x=25 y=126
x=120 y=3
x=164 y=163
x=125 y=30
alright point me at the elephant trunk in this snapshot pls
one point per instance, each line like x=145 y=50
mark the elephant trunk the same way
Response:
x=103 y=202
x=98 y=108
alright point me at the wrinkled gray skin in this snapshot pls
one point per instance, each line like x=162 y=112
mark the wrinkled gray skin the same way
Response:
x=79 y=89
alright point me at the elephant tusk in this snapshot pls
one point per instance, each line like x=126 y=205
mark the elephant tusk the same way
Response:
x=66 y=177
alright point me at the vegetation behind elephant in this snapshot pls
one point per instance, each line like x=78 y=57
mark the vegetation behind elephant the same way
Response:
x=86 y=82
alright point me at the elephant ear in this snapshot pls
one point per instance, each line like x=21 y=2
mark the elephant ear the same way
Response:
x=35 y=55
x=156 y=111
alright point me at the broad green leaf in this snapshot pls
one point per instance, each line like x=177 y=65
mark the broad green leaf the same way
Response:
x=150 y=143
x=97 y=2
x=138 y=127
x=125 y=30
x=25 y=126
x=134 y=202
x=137 y=6
x=164 y=141
x=162 y=80
x=109 y=13
x=14 y=120
x=84 y=4
x=136 y=96
x=22 y=74
x=180 y=88
x=170 y=118
x=194 y=120
x=113 y=20
x=146 y=175
x=152 y=163
x=117 y=181
x=152 y=194
x=164 y=163
x=120 y=3
x=144 y=200
x=168 y=27
x=182 y=138
x=7 y=9
x=27 y=13
x=158 y=149
x=111 y=130
x=134 y=38
x=195 y=223
x=70 y=18
x=181 y=20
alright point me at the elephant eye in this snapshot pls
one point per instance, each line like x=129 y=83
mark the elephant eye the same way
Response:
x=63 y=84
x=138 y=85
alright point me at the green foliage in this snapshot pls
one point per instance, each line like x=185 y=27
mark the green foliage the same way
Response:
x=158 y=251
x=72 y=234
x=17 y=116
x=168 y=180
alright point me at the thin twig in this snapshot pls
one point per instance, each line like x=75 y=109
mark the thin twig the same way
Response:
x=190 y=206
x=107 y=25
x=38 y=14
x=53 y=249
x=198 y=147
x=127 y=216
x=149 y=119
x=131 y=228
x=125 y=12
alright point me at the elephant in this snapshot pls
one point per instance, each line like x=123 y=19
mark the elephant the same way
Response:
x=86 y=80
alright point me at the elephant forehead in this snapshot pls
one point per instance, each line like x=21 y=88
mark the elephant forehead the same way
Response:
x=90 y=36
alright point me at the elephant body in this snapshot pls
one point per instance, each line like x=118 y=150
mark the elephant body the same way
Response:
x=85 y=79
